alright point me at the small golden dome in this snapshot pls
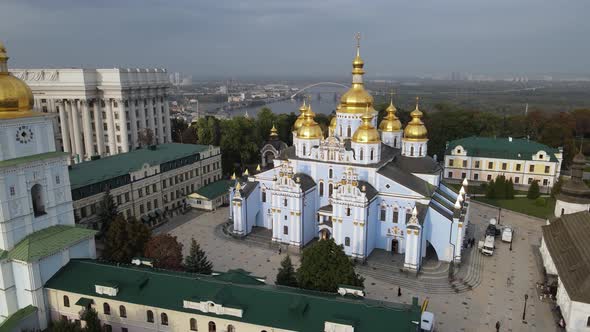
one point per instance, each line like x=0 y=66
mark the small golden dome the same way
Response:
x=415 y=130
x=390 y=122
x=309 y=129
x=366 y=133
x=16 y=98
x=274 y=132
x=299 y=122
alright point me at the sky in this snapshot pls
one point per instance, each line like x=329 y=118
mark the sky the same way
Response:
x=278 y=38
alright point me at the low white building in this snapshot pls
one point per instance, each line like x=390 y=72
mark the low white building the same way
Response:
x=211 y=196
x=482 y=159
x=101 y=111
x=565 y=249
x=575 y=194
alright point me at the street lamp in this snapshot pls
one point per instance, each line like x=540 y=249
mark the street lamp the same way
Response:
x=526 y=297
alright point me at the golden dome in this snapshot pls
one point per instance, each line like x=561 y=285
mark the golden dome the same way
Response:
x=274 y=133
x=309 y=129
x=356 y=99
x=16 y=98
x=415 y=130
x=299 y=122
x=390 y=122
x=366 y=133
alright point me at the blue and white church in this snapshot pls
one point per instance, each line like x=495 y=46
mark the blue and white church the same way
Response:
x=366 y=185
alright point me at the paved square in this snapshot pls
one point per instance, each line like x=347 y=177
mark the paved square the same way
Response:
x=500 y=282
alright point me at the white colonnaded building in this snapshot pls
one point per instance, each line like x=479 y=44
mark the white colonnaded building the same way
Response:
x=365 y=186
x=37 y=233
x=101 y=111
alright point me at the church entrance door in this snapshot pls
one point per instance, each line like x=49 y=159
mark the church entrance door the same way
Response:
x=394 y=246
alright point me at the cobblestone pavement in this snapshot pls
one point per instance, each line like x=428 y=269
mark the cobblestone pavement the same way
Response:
x=498 y=283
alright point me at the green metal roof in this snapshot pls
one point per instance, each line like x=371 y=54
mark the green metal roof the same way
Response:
x=278 y=307
x=48 y=241
x=12 y=321
x=27 y=159
x=215 y=189
x=99 y=170
x=501 y=147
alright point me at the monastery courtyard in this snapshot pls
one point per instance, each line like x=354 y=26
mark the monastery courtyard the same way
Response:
x=486 y=289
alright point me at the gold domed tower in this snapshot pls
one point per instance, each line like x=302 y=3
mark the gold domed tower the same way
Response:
x=299 y=122
x=356 y=100
x=391 y=127
x=366 y=133
x=16 y=98
x=366 y=141
x=308 y=135
x=414 y=142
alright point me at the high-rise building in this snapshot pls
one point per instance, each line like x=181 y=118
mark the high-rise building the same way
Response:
x=102 y=111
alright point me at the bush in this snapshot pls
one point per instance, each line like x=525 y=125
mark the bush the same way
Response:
x=540 y=201
x=534 y=191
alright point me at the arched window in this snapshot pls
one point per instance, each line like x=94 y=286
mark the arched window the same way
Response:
x=382 y=213
x=331 y=173
x=348 y=132
x=212 y=327
x=122 y=311
x=231 y=328
x=372 y=154
x=150 y=316
x=340 y=131
x=193 y=324
x=395 y=141
x=361 y=154
x=37 y=197
x=66 y=301
x=321 y=189
x=347 y=241
x=163 y=319
x=330 y=189
x=420 y=151
x=106 y=308
x=411 y=151
x=304 y=149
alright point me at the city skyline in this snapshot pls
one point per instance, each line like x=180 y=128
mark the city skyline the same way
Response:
x=270 y=39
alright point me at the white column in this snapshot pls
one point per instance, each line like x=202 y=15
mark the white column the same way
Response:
x=123 y=126
x=159 y=121
x=167 y=119
x=133 y=122
x=76 y=128
x=142 y=106
x=98 y=126
x=151 y=115
x=111 y=128
x=65 y=128
x=87 y=126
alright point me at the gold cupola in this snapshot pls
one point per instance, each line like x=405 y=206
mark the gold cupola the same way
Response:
x=332 y=127
x=356 y=99
x=274 y=133
x=366 y=133
x=299 y=122
x=16 y=98
x=309 y=129
x=415 y=130
x=390 y=122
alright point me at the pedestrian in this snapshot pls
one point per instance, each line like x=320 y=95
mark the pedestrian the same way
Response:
x=399 y=291
x=498 y=326
x=279 y=250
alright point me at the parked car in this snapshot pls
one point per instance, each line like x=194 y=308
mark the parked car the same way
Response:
x=427 y=322
x=507 y=234
x=487 y=246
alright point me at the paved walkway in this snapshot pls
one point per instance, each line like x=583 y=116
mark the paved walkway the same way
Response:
x=498 y=283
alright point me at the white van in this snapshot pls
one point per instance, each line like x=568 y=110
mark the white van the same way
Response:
x=507 y=234
x=487 y=246
x=427 y=322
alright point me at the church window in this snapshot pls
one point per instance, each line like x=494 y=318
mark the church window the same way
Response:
x=57 y=179
x=286 y=230
x=330 y=190
x=37 y=198
x=420 y=151
x=122 y=311
x=372 y=154
x=66 y=301
x=193 y=324
x=285 y=202
x=348 y=132
x=150 y=316
x=331 y=173
x=106 y=308
x=304 y=150
x=321 y=189
x=212 y=327
x=340 y=131
x=361 y=154
x=348 y=211
x=12 y=191
x=164 y=319
x=395 y=141
x=382 y=214
x=408 y=215
x=264 y=196
x=451 y=161
x=395 y=217
x=347 y=241
x=411 y=151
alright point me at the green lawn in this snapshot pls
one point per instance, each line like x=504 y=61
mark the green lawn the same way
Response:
x=522 y=205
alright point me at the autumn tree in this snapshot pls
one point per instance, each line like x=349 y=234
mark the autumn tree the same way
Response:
x=165 y=251
x=125 y=239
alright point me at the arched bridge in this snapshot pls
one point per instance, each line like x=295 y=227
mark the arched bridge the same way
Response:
x=320 y=83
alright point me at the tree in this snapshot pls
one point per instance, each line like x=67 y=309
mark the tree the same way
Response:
x=107 y=212
x=197 y=261
x=166 y=252
x=64 y=325
x=145 y=137
x=90 y=316
x=510 y=189
x=491 y=189
x=324 y=266
x=534 y=191
x=286 y=275
x=125 y=239
x=556 y=187
x=177 y=126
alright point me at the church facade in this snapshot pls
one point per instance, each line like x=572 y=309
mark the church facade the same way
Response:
x=365 y=185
